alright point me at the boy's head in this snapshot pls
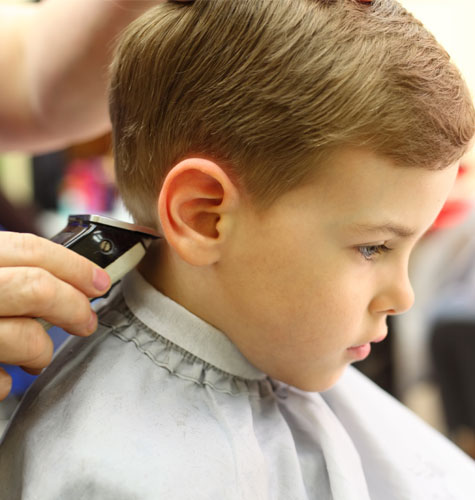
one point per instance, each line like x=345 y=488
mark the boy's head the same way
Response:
x=283 y=146
x=268 y=88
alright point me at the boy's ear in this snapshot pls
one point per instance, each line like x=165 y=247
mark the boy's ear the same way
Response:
x=196 y=206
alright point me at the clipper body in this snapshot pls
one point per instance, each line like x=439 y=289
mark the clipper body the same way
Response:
x=114 y=245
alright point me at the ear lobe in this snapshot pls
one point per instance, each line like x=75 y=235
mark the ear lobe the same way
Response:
x=196 y=204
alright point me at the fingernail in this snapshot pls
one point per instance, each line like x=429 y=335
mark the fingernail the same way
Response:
x=34 y=371
x=101 y=280
x=92 y=324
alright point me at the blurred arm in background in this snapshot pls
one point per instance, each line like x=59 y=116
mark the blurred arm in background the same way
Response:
x=54 y=58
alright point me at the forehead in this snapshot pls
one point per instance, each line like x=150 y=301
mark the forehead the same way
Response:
x=364 y=170
x=364 y=188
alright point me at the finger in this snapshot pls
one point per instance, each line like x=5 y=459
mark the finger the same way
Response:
x=36 y=293
x=24 y=342
x=27 y=250
x=5 y=384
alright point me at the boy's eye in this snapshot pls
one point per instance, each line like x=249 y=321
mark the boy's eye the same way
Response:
x=369 y=251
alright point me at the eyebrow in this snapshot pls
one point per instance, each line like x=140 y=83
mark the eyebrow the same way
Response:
x=388 y=227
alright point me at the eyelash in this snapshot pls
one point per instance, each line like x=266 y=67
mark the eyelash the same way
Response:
x=369 y=251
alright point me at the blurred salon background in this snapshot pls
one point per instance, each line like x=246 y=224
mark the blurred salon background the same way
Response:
x=427 y=361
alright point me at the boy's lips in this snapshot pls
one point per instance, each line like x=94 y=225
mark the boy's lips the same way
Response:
x=376 y=340
x=359 y=352
x=380 y=338
x=362 y=351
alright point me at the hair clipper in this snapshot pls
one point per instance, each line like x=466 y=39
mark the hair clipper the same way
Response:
x=114 y=245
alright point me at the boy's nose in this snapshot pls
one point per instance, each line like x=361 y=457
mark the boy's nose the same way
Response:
x=396 y=297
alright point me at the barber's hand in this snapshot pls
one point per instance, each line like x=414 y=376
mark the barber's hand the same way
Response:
x=41 y=279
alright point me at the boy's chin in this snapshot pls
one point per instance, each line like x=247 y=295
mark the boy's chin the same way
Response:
x=320 y=383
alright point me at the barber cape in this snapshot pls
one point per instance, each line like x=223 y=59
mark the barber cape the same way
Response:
x=158 y=404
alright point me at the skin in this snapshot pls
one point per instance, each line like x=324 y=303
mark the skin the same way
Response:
x=39 y=278
x=54 y=59
x=300 y=285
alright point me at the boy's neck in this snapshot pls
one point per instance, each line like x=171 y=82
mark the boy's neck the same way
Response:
x=167 y=273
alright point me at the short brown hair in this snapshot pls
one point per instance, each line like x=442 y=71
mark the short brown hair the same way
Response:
x=268 y=87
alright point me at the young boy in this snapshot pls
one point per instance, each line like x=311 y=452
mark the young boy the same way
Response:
x=292 y=152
